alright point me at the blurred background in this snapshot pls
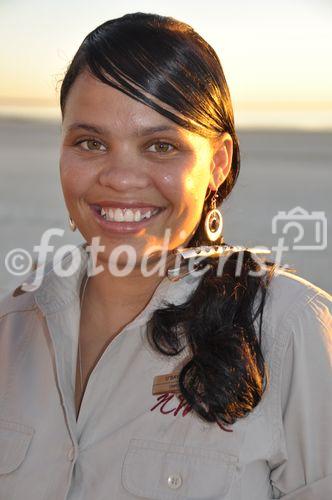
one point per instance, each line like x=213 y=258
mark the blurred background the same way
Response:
x=276 y=58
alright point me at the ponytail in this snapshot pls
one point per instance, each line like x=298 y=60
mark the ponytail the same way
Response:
x=225 y=378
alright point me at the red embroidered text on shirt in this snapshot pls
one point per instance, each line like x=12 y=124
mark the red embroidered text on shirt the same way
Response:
x=166 y=398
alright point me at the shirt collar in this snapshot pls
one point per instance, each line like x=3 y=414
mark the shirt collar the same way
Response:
x=56 y=292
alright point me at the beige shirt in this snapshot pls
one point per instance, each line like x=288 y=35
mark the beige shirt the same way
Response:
x=128 y=443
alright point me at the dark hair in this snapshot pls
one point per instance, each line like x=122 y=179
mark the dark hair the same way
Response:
x=151 y=57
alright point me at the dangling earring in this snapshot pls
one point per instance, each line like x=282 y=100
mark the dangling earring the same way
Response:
x=213 y=223
x=72 y=224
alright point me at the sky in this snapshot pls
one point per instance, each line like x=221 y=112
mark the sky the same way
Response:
x=275 y=54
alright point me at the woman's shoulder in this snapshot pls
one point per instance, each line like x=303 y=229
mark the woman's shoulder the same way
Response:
x=10 y=303
x=22 y=297
x=295 y=307
x=289 y=292
x=15 y=300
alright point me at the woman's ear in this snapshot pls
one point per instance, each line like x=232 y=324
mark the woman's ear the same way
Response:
x=221 y=161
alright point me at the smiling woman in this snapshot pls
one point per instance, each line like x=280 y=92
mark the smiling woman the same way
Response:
x=191 y=380
x=128 y=141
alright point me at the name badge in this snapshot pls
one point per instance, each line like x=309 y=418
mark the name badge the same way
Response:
x=166 y=383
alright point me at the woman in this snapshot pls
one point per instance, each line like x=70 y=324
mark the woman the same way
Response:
x=143 y=380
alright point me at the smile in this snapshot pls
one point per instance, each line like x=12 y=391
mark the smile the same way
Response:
x=128 y=214
x=125 y=220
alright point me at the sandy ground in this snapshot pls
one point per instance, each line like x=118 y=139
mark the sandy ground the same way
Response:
x=280 y=170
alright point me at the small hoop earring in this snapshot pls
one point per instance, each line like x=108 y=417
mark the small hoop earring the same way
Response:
x=213 y=223
x=72 y=224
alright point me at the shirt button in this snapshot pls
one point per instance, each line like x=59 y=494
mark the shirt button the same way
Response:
x=174 y=481
x=71 y=453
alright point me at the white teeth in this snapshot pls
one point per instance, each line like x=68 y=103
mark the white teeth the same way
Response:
x=127 y=215
x=118 y=215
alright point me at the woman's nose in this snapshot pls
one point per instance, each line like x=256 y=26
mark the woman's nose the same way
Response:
x=123 y=176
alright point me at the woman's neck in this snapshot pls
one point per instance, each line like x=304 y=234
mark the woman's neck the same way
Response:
x=106 y=295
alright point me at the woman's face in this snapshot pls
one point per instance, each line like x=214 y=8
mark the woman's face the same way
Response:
x=122 y=163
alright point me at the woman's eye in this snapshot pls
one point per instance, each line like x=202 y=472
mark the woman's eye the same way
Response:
x=162 y=147
x=92 y=143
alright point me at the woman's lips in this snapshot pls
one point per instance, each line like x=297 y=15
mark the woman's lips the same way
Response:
x=124 y=226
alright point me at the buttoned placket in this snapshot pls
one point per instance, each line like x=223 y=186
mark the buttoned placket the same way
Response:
x=64 y=375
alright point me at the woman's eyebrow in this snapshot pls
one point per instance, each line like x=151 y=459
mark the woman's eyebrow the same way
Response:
x=138 y=132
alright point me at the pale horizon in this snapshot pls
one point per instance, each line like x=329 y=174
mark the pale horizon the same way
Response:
x=274 y=56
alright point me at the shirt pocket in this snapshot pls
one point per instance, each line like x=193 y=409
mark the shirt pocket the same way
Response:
x=163 y=471
x=15 y=439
